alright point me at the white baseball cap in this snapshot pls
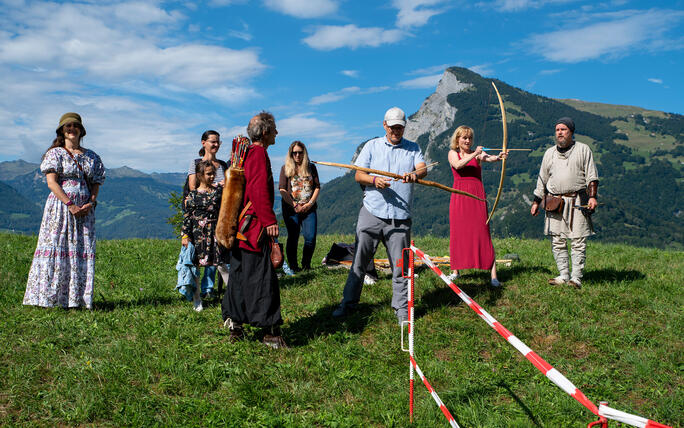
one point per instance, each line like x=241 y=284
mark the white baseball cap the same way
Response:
x=395 y=116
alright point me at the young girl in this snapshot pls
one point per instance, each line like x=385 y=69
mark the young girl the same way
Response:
x=200 y=213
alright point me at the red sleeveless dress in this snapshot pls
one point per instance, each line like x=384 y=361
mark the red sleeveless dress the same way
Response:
x=470 y=243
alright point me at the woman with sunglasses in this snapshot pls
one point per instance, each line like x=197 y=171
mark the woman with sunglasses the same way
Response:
x=299 y=187
x=63 y=268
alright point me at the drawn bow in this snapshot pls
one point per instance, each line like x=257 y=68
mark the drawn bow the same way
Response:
x=504 y=146
x=397 y=176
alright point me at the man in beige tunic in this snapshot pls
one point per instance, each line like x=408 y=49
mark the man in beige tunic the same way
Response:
x=568 y=171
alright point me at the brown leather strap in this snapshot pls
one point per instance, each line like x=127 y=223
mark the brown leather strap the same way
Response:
x=244 y=210
x=77 y=164
x=85 y=177
x=592 y=189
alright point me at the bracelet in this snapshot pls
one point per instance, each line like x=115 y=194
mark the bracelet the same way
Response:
x=374 y=177
x=69 y=203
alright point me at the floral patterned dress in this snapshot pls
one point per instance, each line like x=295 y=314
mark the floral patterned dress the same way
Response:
x=200 y=214
x=63 y=265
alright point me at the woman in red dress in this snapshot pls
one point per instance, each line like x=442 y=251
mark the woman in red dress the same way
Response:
x=470 y=243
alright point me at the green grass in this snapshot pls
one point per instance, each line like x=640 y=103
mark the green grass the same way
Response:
x=144 y=358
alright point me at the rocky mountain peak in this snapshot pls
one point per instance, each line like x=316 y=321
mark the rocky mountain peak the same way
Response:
x=436 y=115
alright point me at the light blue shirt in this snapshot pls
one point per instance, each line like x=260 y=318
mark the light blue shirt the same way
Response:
x=393 y=202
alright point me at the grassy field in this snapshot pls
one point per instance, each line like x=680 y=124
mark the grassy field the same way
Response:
x=143 y=357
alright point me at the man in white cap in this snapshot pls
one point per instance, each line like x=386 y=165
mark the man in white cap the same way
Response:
x=386 y=212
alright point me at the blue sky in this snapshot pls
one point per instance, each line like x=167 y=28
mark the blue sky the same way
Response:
x=150 y=76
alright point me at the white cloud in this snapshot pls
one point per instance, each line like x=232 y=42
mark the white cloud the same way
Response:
x=243 y=34
x=106 y=48
x=430 y=70
x=303 y=8
x=350 y=73
x=221 y=3
x=416 y=13
x=140 y=13
x=608 y=39
x=425 y=82
x=334 y=96
x=550 y=72
x=133 y=49
x=482 y=69
x=344 y=93
x=329 y=37
x=654 y=80
x=230 y=95
x=519 y=5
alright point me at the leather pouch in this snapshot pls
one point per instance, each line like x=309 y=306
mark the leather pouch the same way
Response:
x=276 y=254
x=552 y=204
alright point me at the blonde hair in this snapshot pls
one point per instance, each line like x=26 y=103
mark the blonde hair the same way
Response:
x=461 y=131
x=291 y=168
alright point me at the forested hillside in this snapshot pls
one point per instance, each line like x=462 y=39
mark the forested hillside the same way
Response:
x=638 y=190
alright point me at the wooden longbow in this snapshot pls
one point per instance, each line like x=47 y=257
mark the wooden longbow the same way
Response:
x=397 y=176
x=504 y=146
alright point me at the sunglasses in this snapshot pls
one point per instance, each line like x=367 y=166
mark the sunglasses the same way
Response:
x=297 y=153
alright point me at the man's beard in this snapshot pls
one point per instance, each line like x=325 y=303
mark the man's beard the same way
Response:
x=564 y=143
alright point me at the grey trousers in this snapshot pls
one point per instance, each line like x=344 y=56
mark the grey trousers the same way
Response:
x=578 y=247
x=395 y=236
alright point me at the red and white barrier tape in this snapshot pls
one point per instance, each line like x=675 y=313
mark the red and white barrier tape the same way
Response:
x=435 y=397
x=554 y=375
x=627 y=418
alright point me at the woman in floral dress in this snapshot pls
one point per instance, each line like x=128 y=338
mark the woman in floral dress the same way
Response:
x=200 y=214
x=63 y=265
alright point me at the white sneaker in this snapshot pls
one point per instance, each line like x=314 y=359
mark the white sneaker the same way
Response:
x=368 y=280
x=197 y=303
x=453 y=276
x=495 y=282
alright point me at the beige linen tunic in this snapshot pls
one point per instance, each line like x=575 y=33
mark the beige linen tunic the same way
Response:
x=566 y=173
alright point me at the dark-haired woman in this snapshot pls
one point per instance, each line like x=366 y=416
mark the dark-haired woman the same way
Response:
x=299 y=187
x=63 y=265
x=211 y=142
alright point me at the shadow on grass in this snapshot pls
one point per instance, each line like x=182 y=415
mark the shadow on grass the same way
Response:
x=474 y=284
x=522 y=405
x=508 y=273
x=110 y=305
x=612 y=275
x=322 y=323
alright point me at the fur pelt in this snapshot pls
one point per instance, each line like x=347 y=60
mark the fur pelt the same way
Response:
x=231 y=203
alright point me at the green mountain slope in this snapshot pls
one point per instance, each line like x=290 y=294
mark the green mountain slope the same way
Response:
x=638 y=193
x=16 y=212
x=131 y=204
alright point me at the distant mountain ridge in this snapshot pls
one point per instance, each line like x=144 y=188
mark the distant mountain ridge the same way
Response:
x=639 y=155
x=131 y=204
x=639 y=152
